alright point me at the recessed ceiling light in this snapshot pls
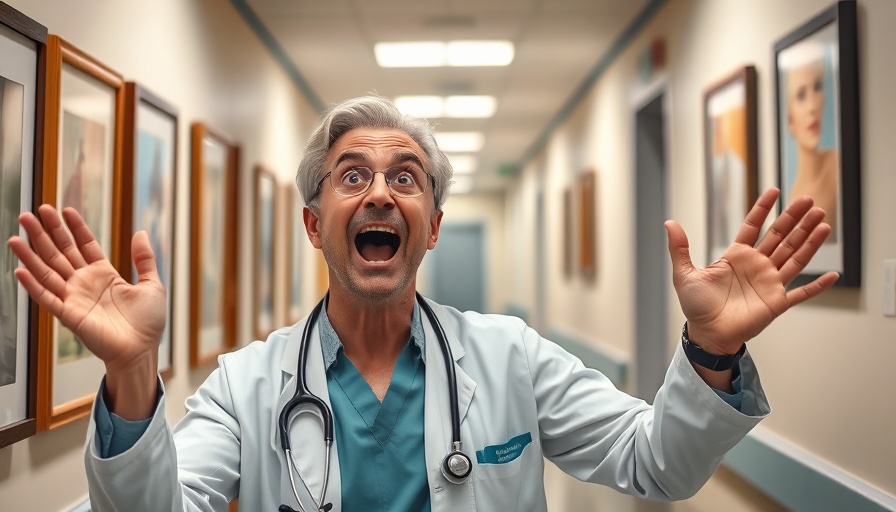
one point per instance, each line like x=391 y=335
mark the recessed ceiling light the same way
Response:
x=452 y=106
x=462 y=185
x=438 y=53
x=479 y=53
x=460 y=142
x=463 y=164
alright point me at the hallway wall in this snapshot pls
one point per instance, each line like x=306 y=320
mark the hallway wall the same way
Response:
x=824 y=362
x=202 y=57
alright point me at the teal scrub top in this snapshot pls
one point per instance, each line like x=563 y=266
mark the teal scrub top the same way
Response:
x=381 y=458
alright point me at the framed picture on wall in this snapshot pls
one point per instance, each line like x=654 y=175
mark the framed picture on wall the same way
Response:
x=730 y=146
x=22 y=45
x=295 y=236
x=82 y=155
x=149 y=176
x=817 y=92
x=265 y=261
x=587 y=226
x=567 y=230
x=213 y=252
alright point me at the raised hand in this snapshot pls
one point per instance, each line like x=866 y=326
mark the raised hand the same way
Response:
x=120 y=323
x=735 y=298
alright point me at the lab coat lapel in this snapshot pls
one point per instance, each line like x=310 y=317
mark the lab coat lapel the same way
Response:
x=437 y=411
x=306 y=429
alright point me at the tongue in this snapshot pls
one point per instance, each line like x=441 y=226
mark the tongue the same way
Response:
x=372 y=252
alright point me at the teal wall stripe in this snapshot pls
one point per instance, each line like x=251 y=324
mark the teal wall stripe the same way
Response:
x=797 y=484
x=278 y=52
x=621 y=43
x=615 y=369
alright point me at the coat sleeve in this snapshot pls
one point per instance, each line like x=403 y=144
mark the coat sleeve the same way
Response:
x=666 y=451
x=193 y=468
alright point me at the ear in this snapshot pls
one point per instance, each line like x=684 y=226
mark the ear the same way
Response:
x=434 y=223
x=311 y=227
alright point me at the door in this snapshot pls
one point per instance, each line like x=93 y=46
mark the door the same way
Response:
x=458 y=266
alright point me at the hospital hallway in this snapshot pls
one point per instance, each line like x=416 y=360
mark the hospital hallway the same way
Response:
x=597 y=121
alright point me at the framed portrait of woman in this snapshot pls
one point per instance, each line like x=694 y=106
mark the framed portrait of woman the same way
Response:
x=214 y=162
x=82 y=168
x=22 y=45
x=148 y=179
x=265 y=230
x=731 y=153
x=817 y=91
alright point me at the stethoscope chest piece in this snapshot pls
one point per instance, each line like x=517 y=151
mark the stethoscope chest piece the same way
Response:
x=456 y=466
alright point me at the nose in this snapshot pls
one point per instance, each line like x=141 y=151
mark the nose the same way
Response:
x=379 y=195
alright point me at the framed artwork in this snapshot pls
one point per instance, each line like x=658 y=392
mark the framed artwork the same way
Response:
x=149 y=175
x=730 y=142
x=22 y=46
x=587 y=226
x=817 y=92
x=265 y=224
x=213 y=252
x=295 y=237
x=82 y=155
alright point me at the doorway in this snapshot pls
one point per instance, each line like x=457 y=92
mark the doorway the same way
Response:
x=458 y=266
x=651 y=249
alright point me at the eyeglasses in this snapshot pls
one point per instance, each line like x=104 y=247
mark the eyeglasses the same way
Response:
x=405 y=180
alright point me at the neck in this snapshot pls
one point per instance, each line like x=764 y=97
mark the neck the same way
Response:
x=810 y=160
x=372 y=333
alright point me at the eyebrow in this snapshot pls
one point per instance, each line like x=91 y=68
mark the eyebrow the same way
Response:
x=398 y=156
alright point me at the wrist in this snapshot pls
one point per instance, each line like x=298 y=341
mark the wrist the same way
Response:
x=132 y=390
x=706 y=355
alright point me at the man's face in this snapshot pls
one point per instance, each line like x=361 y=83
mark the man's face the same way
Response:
x=373 y=242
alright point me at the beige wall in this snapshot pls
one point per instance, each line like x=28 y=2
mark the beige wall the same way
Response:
x=201 y=57
x=827 y=364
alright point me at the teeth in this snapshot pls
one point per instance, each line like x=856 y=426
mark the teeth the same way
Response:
x=379 y=228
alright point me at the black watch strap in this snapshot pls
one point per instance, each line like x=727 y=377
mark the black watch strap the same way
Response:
x=705 y=359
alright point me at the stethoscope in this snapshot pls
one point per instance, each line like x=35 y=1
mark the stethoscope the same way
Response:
x=456 y=466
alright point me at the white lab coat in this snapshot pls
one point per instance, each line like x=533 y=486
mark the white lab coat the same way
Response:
x=510 y=381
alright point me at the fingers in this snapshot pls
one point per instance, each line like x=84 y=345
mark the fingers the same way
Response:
x=795 y=240
x=144 y=258
x=784 y=224
x=61 y=239
x=39 y=280
x=806 y=292
x=87 y=244
x=795 y=264
x=749 y=230
x=43 y=246
x=679 y=251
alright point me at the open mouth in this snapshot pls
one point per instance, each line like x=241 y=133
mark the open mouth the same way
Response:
x=377 y=244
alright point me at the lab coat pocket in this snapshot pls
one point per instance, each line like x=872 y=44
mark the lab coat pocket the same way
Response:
x=504 y=460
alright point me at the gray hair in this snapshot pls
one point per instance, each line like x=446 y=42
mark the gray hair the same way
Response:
x=368 y=112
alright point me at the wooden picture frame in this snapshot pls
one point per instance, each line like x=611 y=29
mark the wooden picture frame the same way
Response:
x=587 y=225
x=214 y=161
x=566 y=231
x=731 y=151
x=295 y=241
x=82 y=168
x=817 y=102
x=148 y=184
x=266 y=192
x=22 y=51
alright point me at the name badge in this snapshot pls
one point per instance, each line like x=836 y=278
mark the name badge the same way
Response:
x=504 y=453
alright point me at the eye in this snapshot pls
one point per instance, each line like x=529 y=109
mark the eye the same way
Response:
x=405 y=179
x=354 y=177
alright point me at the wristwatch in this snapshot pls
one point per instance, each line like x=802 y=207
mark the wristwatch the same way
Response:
x=705 y=359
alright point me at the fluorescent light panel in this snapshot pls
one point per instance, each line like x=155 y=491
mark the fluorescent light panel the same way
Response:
x=412 y=54
x=451 y=106
x=463 y=164
x=460 y=142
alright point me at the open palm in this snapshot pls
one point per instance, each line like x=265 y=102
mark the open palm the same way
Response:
x=735 y=298
x=117 y=321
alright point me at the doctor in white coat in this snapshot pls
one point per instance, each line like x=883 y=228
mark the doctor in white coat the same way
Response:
x=374 y=182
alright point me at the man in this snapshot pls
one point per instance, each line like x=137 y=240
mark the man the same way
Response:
x=374 y=182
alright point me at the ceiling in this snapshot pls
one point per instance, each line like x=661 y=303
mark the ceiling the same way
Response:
x=558 y=43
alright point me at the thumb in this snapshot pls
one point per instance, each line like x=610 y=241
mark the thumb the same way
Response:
x=144 y=258
x=679 y=251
